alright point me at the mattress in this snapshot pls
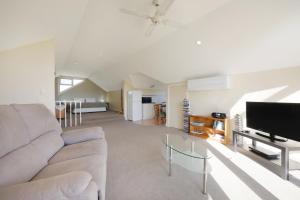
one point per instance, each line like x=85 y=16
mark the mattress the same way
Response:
x=91 y=104
x=89 y=107
x=89 y=110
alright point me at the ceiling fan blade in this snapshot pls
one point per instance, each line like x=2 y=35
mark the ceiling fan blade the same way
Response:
x=134 y=13
x=150 y=29
x=166 y=6
x=172 y=23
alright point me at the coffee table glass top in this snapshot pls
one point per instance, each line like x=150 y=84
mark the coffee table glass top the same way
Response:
x=187 y=145
x=189 y=152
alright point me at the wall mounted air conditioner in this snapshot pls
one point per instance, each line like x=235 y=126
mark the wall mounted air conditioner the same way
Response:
x=209 y=83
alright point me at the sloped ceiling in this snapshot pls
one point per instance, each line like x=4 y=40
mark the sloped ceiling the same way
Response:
x=31 y=21
x=241 y=36
x=93 y=39
x=90 y=35
x=142 y=81
x=107 y=35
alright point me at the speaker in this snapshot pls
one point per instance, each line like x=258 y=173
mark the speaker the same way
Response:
x=218 y=115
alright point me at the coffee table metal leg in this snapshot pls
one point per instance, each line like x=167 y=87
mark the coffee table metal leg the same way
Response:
x=170 y=160
x=204 y=191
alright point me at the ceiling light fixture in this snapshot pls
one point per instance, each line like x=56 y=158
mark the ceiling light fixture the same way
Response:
x=198 y=42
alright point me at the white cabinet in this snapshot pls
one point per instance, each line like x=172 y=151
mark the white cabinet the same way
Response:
x=148 y=111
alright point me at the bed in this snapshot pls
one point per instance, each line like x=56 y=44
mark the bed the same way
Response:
x=89 y=107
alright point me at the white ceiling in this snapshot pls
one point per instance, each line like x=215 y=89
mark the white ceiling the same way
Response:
x=241 y=36
x=142 y=81
x=94 y=39
x=107 y=35
x=31 y=21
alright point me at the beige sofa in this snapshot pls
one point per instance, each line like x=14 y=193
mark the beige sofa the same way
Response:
x=39 y=161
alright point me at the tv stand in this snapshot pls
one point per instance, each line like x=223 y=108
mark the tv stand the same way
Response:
x=272 y=139
x=285 y=148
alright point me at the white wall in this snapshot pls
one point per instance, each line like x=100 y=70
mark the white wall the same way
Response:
x=176 y=94
x=27 y=75
x=281 y=85
x=273 y=85
x=115 y=101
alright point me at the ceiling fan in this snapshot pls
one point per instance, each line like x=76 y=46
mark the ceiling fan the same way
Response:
x=158 y=17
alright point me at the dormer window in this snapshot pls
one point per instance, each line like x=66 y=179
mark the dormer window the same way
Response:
x=67 y=83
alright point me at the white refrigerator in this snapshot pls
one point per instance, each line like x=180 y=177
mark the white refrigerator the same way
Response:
x=134 y=105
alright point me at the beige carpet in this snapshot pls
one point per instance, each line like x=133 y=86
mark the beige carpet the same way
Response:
x=137 y=170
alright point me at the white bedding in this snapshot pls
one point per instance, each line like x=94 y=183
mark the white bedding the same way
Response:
x=90 y=110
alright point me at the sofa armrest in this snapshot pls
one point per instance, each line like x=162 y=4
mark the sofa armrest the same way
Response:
x=66 y=186
x=82 y=135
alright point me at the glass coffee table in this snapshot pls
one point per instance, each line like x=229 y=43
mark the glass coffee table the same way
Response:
x=189 y=152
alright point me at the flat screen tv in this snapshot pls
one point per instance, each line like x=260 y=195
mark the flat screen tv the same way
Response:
x=276 y=119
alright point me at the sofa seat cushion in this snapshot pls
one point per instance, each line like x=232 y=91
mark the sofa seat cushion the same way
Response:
x=94 y=164
x=83 y=134
x=74 y=185
x=93 y=147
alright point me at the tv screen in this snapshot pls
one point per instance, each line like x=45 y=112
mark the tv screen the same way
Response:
x=281 y=119
x=146 y=99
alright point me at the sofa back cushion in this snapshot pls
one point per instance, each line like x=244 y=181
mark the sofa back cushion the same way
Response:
x=38 y=119
x=29 y=137
x=24 y=163
x=48 y=144
x=13 y=131
x=21 y=165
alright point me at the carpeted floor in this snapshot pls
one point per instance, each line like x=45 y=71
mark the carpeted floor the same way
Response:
x=137 y=170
